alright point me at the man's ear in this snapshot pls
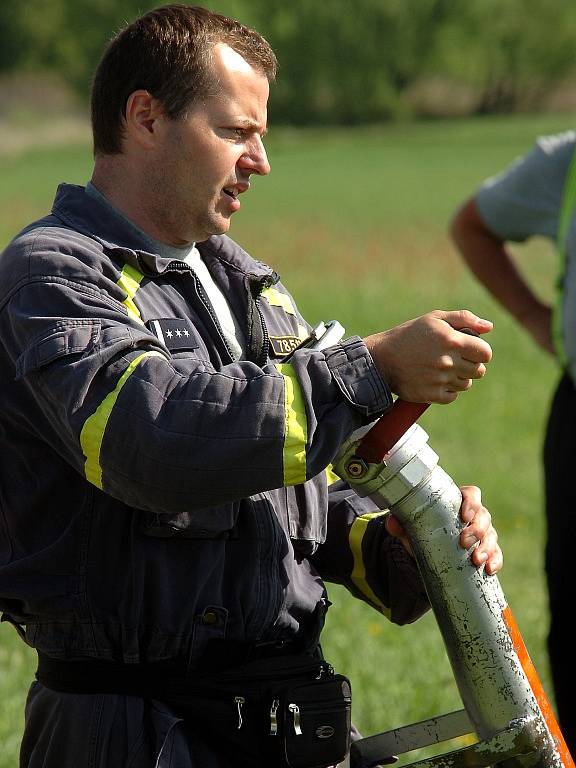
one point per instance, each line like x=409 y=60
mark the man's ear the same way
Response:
x=140 y=117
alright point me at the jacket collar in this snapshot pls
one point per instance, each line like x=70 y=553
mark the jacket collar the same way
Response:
x=93 y=218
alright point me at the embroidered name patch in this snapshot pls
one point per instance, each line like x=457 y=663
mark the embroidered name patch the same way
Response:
x=177 y=333
x=284 y=345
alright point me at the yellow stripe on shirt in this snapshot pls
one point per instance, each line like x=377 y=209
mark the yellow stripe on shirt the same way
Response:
x=296 y=428
x=331 y=476
x=277 y=299
x=94 y=427
x=358 y=576
x=129 y=281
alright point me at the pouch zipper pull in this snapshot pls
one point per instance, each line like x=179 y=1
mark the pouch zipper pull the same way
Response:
x=274 y=718
x=295 y=709
x=326 y=670
x=239 y=700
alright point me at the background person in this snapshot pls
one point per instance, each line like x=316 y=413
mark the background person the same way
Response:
x=536 y=196
x=167 y=521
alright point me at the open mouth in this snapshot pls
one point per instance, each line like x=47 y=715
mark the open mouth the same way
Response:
x=230 y=193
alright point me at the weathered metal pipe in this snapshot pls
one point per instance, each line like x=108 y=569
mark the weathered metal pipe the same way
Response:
x=469 y=605
x=502 y=695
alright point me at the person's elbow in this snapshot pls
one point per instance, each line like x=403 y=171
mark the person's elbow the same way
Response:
x=465 y=223
x=471 y=236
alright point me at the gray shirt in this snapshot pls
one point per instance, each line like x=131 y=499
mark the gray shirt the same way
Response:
x=525 y=200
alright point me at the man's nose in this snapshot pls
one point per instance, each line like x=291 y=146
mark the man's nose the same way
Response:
x=255 y=159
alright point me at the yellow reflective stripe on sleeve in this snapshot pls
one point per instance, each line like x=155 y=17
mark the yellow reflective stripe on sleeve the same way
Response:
x=130 y=280
x=94 y=427
x=358 y=575
x=296 y=428
x=331 y=476
x=277 y=299
x=302 y=332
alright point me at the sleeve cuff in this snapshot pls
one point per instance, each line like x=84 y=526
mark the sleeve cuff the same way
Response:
x=357 y=377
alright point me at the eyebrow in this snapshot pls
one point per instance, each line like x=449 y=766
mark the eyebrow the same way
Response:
x=246 y=122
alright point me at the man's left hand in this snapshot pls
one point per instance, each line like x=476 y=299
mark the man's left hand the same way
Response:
x=478 y=531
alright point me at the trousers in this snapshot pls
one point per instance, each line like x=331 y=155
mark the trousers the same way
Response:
x=68 y=730
x=559 y=463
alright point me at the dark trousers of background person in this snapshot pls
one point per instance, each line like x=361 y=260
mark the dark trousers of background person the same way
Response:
x=560 y=476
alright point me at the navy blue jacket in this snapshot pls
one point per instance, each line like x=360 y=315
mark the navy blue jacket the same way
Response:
x=154 y=493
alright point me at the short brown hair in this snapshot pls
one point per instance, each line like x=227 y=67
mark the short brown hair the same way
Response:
x=166 y=52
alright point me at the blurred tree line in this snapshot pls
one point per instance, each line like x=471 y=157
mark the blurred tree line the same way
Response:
x=340 y=62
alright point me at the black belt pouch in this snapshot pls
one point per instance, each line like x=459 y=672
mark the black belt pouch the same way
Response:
x=281 y=716
x=314 y=723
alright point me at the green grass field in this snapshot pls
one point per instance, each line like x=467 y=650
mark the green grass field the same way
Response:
x=355 y=222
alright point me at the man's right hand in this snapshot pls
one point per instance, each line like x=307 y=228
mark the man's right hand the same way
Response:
x=428 y=360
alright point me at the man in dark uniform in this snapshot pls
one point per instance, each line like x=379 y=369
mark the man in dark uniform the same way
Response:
x=166 y=515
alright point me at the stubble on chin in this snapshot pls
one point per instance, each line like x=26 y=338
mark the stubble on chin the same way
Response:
x=174 y=208
x=212 y=225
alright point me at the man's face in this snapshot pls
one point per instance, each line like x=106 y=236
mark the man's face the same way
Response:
x=205 y=160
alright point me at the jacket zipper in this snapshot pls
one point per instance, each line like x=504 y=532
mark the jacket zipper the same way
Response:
x=255 y=288
x=258 y=355
x=201 y=294
x=263 y=355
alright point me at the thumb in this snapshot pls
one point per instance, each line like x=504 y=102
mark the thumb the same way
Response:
x=396 y=529
x=394 y=526
x=463 y=318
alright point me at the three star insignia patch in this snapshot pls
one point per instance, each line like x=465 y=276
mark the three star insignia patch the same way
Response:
x=177 y=333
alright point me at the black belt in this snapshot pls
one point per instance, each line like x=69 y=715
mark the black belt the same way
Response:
x=98 y=676
x=161 y=679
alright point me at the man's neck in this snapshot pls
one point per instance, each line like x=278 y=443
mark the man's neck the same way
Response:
x=116 y=181
x=151 y=244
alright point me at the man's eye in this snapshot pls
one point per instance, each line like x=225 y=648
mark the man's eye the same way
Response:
x=239 y=132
